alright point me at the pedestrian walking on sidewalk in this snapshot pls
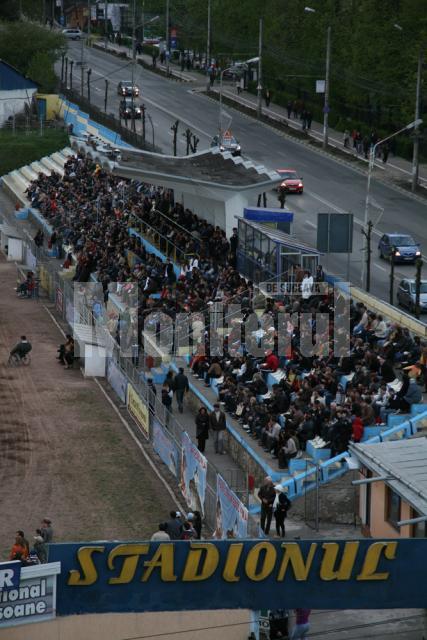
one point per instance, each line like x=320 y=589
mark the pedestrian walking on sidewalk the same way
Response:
x=386 y=151
x=218 y=426
x=267 y=98
x=346 y=139
x=289 y=109
x=309 y=119
x=202 y=428
x=302 y=624
x=181 y=387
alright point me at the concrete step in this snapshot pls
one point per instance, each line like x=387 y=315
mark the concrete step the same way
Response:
x=38 y=167
x=52 y=165
x=28 y=173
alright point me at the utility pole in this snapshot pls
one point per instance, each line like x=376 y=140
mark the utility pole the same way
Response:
x=106 y=96
x=43 y=12
x=174 y=128
x=106 y=23
x=143 y=121
x=392 y=259
x=71 y=73
x=208 y=47
x=66 y=71
x=419 y=266
x=62 y=67
x=89 y=71
x=82 y=79
x=368 y=234
x=89 y=16
x=134 y=31
x=415 y=165
x=167 y=52
x=259 y=86
x=326 y=104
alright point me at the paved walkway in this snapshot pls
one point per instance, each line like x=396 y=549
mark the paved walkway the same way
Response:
x=397 y=168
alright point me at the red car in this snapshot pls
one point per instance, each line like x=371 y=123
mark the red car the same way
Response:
x=290 y=181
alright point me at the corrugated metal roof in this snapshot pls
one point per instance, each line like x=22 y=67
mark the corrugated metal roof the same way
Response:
x=406 y=461
x=12 y=80
x=282 y=237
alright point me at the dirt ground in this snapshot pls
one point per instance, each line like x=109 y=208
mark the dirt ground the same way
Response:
x=64 y=454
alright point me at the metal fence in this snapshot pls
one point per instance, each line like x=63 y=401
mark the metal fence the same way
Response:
x=108 y=120
x=60 y=290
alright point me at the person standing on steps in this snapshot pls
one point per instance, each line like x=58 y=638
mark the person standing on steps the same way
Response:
x=281 y=506
x=218 y=426
x=267 y=496
x=181 y=387
x=202 y=428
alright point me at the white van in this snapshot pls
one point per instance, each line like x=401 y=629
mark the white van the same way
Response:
x=73 y=34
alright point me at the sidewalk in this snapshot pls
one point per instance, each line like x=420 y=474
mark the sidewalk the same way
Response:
x=396 y=168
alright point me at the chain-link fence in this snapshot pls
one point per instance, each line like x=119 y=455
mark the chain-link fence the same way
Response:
x=72 y=308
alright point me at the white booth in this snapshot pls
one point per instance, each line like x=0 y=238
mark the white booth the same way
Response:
x=92 y=349
x=11 y=243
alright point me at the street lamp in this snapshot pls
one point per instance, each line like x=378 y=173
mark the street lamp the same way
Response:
x=411 y=125
x=415 y=159
x=208 y=47
x=240 y=65
x=327 y=76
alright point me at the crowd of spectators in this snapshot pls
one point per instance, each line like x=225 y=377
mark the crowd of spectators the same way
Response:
x=326 y=396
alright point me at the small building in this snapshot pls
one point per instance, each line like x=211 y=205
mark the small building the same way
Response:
x=16 y=92
x=399 y=494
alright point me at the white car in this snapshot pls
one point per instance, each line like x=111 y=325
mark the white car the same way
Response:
x=73 y=34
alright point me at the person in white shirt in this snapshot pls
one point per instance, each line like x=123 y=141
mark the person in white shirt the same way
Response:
x=307 y=286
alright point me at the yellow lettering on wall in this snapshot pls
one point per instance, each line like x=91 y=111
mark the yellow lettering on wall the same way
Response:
x=87 y=574
x=328 y=571
x=131 y=553
x=293 y=556
x=162 y=559
x=252 y=561
x=372 y=559
x=210 y=555
x=231 y=562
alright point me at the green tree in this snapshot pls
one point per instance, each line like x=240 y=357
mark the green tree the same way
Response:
x=41 y=71
x=20 y=42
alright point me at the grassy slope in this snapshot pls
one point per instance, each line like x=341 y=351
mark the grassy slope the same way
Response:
x=20 y=149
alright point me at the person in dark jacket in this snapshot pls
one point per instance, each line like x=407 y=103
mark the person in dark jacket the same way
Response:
x=181 y=386
x=267 y=495
x=202 y=428
x=281 y=506
x=218 y=426
x=174 y=526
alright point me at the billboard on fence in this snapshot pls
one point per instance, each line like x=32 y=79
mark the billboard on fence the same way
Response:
x=194 y=468
x=166 y=448
x=138 y=410
x=117 y=379
x=100 y=577
x=231 y=513
x=32 y=598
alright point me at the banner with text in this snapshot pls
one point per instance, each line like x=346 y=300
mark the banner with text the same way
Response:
x=116 y=379
x=166 y=448
x=194 y=468
x=231 y=513
x=138 y=410
x=100 y=577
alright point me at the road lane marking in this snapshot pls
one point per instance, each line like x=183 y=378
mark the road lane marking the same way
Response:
x=311 y=224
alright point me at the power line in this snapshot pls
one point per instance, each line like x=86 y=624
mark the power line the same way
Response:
x=377 y=623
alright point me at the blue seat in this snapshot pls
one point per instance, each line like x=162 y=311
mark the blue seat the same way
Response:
x=418 y=408
x=317 y=454
x=394 y=420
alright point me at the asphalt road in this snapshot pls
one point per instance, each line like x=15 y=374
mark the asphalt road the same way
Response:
x=329 y=185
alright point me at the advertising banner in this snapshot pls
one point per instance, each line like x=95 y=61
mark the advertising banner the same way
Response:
x=100 y=577
x=166 y=448
x=59 y=300
x=194 y=468
x=10 y=574
x=138 y=410
x=33 y=599
x=117 y=379
x=231 y=513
